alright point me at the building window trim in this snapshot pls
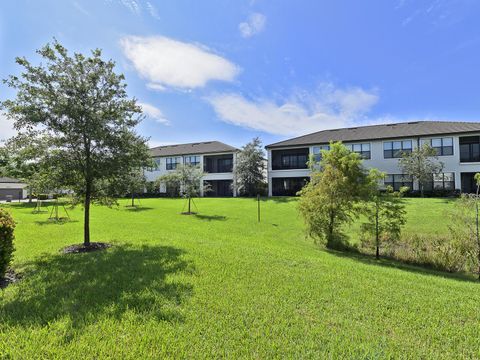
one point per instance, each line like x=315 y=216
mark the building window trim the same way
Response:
x=442 y=145
x=439 y=182
x=403 y=180
x=396 y=148
x=188 y=160
x=173 y=162
x=317 y=151
x=362 y=149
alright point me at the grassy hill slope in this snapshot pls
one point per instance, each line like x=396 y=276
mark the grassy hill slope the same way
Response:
x=222 y=285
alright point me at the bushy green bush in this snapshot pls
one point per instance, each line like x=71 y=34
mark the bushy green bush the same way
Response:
x=7 y=225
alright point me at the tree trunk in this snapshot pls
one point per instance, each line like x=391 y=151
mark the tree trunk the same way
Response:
x=86 y=221
x=133 y=199
x=421 y=189
x=477 y=234
x=330 y=237
x=189 y=204
x=377 y=242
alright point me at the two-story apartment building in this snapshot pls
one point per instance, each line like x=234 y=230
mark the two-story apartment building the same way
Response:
x=215 y=158
x=457 y=145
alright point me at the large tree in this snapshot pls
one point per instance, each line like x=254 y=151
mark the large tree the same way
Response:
x=250 y=169
x=329 y=200
x=421 y=164
x=78 y=108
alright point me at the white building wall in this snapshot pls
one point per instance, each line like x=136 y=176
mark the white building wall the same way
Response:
x=389 y=166
x=162 y=170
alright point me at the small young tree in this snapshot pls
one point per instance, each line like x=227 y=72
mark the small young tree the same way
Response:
x=329 y=200
x=385 y=214
x=133 y=182
x=78 y=109
x=421 y=164
x=188 y=178
x=250 y=169
x=7 y=226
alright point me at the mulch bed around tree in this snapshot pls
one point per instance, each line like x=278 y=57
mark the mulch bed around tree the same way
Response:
x=10 y=278
x=188 y=213
x=81 y=248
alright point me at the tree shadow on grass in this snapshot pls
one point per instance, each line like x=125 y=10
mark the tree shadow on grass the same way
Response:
x=85 y=288
x=60 y=221
x=138 y=208
x=395 y=264
x=210 y=217
x=279 y=199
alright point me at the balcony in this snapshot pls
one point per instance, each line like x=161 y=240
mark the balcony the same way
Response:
x=469 y=149
x=290 y=159
x=218 y=163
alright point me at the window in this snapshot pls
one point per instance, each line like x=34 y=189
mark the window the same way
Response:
x=225 y=165
x=192 y=160
x=396 y=181
x=441 y=181
x=362 y=149
x=288 y=186
x=290 y=159
x=317 y=152
x=470 y=149
x=294 y=161
x=443 y=146
x=218 y=163
x=395 y=149
x=173 y=162
x=155 y=166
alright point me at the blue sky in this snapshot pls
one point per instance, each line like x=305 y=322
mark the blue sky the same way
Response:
x=232 y=70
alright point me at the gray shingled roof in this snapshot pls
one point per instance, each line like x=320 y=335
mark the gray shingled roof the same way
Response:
x=386 y=131
x=9 y=180
x=207 y=147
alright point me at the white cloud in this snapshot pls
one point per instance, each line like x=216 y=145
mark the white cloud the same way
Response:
x=165 y=62
x=152 y=10
x=6 y=128
x=81 y=9
x=132 y=5
x=154 y=113
x=254 y=24
x=301 y=113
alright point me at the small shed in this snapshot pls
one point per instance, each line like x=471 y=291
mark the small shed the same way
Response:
x=13 y=189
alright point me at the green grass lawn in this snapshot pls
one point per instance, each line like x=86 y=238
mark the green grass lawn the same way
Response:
x=222 y=285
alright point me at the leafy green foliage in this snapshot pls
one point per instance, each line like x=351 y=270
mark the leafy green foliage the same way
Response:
x=250 y=169
x=132 y=183
x=385 y=214
x=76 y=113
x=329 y=200
x=7 y=226
x=421 y=164
x=188 y=179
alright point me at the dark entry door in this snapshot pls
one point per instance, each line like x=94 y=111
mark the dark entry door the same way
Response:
x=468 y=183
x=219 y=188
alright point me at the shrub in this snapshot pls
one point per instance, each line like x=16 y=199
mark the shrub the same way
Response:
x=7 y=225
x=439 y=252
